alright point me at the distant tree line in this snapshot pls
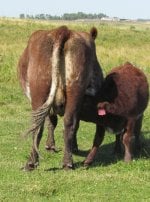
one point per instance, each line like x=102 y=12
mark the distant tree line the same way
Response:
x=65 y=16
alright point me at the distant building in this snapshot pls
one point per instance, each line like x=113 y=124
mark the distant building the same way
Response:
x=110 y=19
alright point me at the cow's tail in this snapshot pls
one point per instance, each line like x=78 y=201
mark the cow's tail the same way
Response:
x=61 y=36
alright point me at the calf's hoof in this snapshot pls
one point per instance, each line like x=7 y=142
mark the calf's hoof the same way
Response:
x=127 y=159
x=30 y=166
x=87 y=162
x=90 y=158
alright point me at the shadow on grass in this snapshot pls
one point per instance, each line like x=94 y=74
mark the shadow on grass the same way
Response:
x=53 y=169
x=105 y=155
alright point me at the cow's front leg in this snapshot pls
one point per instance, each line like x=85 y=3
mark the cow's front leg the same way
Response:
x=99 y=136
x=51 y=124
x=127 y=140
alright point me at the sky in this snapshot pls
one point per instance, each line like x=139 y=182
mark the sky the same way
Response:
x=130 y=9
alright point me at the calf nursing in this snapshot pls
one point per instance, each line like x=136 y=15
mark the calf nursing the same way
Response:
x=60 y=74
x=56 y=70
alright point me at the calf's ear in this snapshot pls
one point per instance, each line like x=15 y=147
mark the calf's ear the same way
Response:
x=93 y=33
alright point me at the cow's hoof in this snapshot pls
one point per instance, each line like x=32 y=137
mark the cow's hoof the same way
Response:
x=68 y=166
x=30 y=166
x=51 y=148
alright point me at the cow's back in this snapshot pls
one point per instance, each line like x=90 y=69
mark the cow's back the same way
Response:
x=78 y=65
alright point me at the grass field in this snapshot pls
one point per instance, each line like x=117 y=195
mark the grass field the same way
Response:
x=109 y=178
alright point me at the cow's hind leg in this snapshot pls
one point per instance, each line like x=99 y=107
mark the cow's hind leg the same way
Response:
x=51 y=124
x=33 y=160
x=74 y=142
x=38 y=120
x=71 y=121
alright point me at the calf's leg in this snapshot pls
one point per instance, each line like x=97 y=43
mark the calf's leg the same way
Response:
x=127 y=140
x=99 y=136
x=137 y=143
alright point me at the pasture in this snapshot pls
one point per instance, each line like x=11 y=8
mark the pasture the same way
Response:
x=109 y=178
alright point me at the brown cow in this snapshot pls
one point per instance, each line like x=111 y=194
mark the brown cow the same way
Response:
x=55 y=70
x=123 y=99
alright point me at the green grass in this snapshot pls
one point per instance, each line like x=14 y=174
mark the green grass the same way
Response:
x=109 y=178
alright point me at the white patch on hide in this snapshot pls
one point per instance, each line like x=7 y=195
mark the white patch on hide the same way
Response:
x=27 y=92
x=70 y=70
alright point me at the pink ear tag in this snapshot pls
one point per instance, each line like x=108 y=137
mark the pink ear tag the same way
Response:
x=101 y=112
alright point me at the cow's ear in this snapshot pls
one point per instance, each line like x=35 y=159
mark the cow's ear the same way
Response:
x=93 y=33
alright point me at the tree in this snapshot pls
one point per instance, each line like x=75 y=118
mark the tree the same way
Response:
x=22 y=16
x=65 y=16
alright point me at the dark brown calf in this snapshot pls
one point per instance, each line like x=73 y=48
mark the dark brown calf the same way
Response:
x=123 y=99
x=56 y=70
